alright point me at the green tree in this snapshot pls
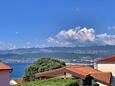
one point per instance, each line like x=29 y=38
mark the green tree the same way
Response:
x=41 y=65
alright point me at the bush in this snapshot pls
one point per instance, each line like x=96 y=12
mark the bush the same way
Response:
x=73 y=83
x=50 y=82
x=95 y=84
x=41 y=65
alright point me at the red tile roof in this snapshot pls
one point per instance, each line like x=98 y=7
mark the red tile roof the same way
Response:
x=4 y=67
x=103 y=77
x=78 y=71
x=50 y=73
x=106 y=60
x=74 y=69
x=83 y=70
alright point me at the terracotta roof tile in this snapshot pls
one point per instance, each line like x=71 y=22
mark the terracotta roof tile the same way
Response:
x=106 y=59
x=4 y=67
x=83 y=70
x=50 y=73
x=104 y=77
x=78 y=71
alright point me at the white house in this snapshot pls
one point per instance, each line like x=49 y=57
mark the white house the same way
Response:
x=107 y=65
x=5 y=71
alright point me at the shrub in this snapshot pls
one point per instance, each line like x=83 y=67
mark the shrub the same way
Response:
x=50 y=82
x=73 y=83
x=41 y=65
x=95 y=84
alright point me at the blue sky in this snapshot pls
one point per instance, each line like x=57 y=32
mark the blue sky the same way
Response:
x=30 y=23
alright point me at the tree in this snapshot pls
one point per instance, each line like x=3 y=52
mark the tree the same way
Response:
x=41 y=65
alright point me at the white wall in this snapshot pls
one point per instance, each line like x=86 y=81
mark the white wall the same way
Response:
x=100 y=84
x=12 y=82
x=107 y=67
x=68 y=75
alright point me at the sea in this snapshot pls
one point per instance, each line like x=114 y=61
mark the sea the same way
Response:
x=18 y=69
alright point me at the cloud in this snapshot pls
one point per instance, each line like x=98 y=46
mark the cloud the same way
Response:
x=55 y=42
x=77 y=34
x=52 y=40
x=81 y=37
x=106 y=38
x=6 y=46
x=111 y=27
x=29 y=44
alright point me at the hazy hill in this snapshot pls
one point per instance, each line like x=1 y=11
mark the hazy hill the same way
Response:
x=58 y=52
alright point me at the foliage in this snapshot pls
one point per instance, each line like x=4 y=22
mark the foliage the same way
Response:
x=41 y=65
x=95 y=84
x=73 y=83
x=52 y=82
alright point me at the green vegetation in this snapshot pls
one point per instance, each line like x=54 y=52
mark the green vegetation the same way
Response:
x=41 y=65
x=52 y=82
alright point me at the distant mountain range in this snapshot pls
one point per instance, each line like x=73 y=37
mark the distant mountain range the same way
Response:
x=59 y=49
x=58 y=52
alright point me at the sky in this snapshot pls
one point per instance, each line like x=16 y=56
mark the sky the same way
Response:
x=44 y=23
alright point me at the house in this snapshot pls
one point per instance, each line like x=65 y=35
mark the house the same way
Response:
x=16 y=81
x=5 y=71
x=107 y=65
x=86 y=74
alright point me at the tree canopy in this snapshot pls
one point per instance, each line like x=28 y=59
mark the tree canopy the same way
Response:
x=41 y=65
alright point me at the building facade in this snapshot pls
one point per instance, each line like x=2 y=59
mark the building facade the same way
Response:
x=107 y=65
x=5 y=71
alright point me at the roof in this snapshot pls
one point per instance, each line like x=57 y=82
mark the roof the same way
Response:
x=79 y=71
x=4 y=67
x=75 y=70
x=106 y=60
x=50 y=73
x=103 y=77
x=83 y=71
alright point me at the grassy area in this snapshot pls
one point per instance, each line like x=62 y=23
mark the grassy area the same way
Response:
x=52 y=82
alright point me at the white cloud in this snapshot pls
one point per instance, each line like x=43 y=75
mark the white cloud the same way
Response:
x=81 y=37
x=111 y=27
x=83 y=34
x=106 y=38
x=72 y=37
x=6 y=46
x=28 y=44
x=51 y=40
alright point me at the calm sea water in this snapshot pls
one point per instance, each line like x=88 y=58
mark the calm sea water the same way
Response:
x=18 y=69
